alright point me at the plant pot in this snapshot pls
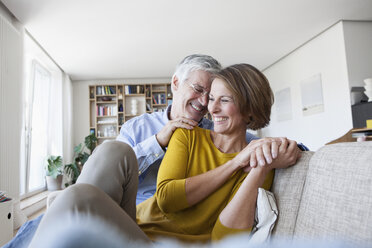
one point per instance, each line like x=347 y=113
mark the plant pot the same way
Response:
x=54 y=183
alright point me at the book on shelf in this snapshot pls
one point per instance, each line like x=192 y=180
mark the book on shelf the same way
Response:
x=148 y=107
x=134 y=89
x=159 y=98
x=4 y=197
x=106 y=110
x=361 y=132
x=106 y=90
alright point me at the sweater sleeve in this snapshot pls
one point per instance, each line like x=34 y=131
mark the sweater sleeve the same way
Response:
x=171 y=193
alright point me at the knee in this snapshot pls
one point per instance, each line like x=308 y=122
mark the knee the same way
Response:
x=113 y=153
x=79 y=195
x=117 y=147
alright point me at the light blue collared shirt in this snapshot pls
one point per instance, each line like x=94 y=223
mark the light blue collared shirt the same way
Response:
x=139 y=133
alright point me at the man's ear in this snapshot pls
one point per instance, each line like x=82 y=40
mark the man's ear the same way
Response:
x=175 y=83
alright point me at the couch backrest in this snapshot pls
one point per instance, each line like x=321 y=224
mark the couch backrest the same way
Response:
x=287 y=187
x=336 y=201
x=337 y=197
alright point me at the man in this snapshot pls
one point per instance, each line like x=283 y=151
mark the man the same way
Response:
x=149 y=134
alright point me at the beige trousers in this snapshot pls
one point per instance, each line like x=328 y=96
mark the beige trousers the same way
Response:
x=102 y=201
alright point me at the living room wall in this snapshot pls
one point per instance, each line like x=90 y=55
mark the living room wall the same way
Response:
x=325 y=55
x=81 y=101
x=358 y=46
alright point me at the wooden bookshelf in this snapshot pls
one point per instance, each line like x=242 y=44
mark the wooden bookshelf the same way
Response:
x=113 y=104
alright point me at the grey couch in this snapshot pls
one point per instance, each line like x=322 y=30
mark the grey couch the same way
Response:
x=327 y=195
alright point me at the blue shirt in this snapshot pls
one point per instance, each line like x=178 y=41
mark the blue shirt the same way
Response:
x=139 y=133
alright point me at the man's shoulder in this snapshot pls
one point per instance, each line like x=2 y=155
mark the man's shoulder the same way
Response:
x=146 y=118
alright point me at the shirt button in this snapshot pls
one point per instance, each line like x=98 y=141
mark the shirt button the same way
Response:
x=156 y=154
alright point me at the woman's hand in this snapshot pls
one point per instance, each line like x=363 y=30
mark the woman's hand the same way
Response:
x=259 y=152
x=287 y=154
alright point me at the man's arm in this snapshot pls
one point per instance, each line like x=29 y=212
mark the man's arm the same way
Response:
x=147 y=150
x=150 y=146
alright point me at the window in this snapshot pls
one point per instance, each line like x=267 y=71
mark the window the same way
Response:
x=42 y=132
x=37 y=117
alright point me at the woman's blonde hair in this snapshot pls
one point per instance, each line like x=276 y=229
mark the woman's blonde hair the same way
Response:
x=251 y=91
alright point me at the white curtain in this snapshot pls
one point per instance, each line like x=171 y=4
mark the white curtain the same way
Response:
x=67 y=106
x=43 y=116
x=38 y=126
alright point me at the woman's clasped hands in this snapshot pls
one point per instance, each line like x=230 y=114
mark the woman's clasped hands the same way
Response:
x=269 y=152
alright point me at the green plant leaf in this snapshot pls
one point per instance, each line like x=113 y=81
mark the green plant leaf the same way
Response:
x=73 y=171
x=54 y=166
x=78 y=149
x=91 y=142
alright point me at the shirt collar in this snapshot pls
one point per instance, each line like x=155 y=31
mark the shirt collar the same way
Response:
x=166 y=114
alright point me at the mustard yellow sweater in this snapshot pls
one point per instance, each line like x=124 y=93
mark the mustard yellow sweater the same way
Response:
x=167 y=213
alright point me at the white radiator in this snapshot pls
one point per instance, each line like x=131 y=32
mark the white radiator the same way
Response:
x=10 y=106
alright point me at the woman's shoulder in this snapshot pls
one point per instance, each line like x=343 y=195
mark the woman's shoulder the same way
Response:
x=194 y=131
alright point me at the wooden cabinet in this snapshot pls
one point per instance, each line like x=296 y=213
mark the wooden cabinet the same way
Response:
x=112 y=105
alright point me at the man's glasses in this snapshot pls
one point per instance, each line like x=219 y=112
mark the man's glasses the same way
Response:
x=199 y=90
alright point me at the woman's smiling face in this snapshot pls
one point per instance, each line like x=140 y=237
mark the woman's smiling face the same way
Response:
x=223 y=109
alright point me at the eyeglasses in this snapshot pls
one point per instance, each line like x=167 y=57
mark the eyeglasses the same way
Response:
x=199 y=90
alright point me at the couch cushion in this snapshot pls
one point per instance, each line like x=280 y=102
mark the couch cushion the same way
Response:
x=287 y=187
x=337 y=197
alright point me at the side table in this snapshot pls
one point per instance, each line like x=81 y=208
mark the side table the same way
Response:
x=6 y=222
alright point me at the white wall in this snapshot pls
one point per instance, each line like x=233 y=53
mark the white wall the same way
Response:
x=11 y=101
x=81 y=102
x=358 y=46
x=325 y=54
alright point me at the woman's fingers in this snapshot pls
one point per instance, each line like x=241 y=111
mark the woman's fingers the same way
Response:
x=253 y=162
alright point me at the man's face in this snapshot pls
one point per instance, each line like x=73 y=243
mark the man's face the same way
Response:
x=190 y=99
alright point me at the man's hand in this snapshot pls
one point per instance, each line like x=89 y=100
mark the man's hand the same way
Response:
x=166 y=132
x=288 y=155
x=265 y=150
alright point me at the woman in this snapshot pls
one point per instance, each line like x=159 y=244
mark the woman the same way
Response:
x=203 y=191
x=202 y=185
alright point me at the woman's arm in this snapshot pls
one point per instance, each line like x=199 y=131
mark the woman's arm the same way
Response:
x=240 y=211
x=200 y=186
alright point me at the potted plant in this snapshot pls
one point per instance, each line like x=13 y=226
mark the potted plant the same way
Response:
x=54 y=173
x=81 y=156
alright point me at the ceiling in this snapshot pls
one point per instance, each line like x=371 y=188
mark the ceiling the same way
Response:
x=95 y=39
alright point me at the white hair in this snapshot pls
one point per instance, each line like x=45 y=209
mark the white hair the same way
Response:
x=196 y=62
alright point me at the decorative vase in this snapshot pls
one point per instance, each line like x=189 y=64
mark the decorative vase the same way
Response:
x=54 y=183
x=368 y=88
x=134 y=108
